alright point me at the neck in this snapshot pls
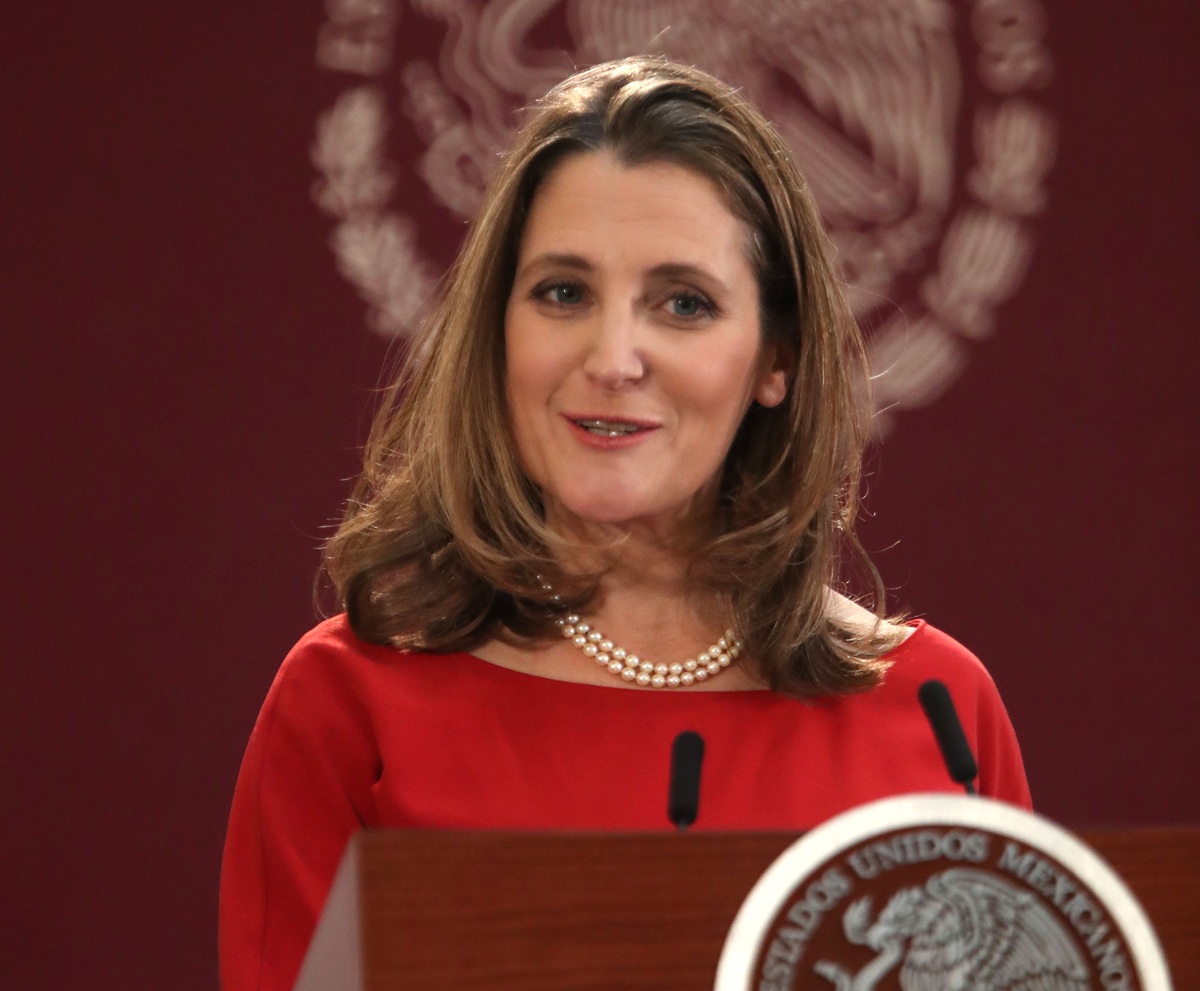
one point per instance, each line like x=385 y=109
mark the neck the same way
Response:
x=644 y=599
x=645 y=603
x=648 y=552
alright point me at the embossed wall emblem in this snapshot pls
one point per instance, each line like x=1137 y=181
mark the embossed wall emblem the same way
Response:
x=916 y=121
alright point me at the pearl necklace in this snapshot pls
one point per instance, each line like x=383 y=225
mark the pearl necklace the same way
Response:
x=632 y=668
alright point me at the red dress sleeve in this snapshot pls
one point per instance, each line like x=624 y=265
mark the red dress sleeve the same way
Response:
x=304 y=789
x=980 y=709
x=1001 y=770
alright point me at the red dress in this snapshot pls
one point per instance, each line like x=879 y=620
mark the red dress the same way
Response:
x=354 y=736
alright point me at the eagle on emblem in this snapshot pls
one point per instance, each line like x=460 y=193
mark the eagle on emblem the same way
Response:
x=965 y=929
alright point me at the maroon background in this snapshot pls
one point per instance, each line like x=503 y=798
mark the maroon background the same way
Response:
x=186 y=381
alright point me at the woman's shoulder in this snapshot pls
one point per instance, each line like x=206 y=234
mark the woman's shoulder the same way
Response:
x=332 y=644
x=928 y=648
x=334 y=637
x=330 y=661
x=931 y=654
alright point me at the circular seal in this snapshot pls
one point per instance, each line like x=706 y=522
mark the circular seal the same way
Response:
x=915 y=122
x=940 y=892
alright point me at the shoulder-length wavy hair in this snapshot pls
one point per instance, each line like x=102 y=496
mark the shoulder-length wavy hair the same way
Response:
x=444 y=542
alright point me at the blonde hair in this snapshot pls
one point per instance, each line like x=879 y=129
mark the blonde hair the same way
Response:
x=444 y=543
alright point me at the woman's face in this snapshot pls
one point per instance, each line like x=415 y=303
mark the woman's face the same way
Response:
x=632 y=341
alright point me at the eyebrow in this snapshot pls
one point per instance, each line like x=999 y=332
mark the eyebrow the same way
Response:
x=554 y=259
x=667 y=270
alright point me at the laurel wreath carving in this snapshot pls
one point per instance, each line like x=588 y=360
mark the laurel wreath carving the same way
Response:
x=375 y=248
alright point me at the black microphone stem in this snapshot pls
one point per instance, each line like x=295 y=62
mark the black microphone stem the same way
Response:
x=683 y=793
x=943 y=719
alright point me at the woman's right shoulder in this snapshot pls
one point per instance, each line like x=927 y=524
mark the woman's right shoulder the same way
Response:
x=333 y=637
x=329 y=657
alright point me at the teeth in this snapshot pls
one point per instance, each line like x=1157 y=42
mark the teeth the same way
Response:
x=608 y=428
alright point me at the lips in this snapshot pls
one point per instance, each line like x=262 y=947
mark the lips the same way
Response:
x=609 y=430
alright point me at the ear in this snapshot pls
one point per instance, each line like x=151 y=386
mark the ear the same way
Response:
x=772 y=379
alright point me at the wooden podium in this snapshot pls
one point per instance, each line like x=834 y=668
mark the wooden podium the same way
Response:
x=426 y=911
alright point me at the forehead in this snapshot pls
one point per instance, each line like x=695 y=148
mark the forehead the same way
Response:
x=594 y=204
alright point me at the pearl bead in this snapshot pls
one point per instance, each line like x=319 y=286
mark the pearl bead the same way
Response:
x=711 y=661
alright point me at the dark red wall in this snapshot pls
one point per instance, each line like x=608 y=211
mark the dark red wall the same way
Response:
x=186 y=379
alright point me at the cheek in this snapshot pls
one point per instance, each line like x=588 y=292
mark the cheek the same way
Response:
x=523 y=436
x=528 y=376
x=723 y=386
x=530 y=381
x=539 y=359
x=519 y=365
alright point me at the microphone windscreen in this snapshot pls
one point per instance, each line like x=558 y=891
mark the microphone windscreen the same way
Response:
x=683 y=795
x=939 y=710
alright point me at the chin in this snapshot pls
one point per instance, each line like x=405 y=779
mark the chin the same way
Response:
x=628 y=510
x=606 y=514
x=607 y=509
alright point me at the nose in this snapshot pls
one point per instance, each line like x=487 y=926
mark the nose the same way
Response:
x=615 y=359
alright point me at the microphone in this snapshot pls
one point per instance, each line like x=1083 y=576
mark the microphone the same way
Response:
x=939 y=710
x=683 y=795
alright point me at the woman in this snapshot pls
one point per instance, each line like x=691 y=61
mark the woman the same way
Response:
x=637 y=410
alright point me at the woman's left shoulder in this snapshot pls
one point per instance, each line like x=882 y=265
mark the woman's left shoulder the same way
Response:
x=923 y=651
x=929 y=653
